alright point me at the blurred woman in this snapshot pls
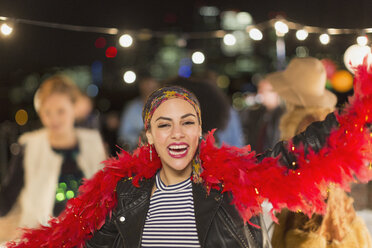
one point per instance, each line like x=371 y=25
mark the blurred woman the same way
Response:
x=53 y=160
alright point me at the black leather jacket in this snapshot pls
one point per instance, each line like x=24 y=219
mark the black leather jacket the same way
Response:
x=218 y=222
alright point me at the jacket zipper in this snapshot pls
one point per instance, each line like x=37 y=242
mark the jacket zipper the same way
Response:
x=228 y=225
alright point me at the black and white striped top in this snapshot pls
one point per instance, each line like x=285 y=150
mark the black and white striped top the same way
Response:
x=170 y=221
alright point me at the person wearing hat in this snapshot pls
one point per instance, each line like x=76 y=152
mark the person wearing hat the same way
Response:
x=302 y=87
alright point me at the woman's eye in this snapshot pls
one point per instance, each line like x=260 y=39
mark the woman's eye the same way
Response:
x=163 y=125
x=189 y=123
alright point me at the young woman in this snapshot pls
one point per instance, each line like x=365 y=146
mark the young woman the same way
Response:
x=53 y=161
x=180 y=192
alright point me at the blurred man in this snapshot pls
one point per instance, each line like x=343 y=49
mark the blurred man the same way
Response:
x=261 y=124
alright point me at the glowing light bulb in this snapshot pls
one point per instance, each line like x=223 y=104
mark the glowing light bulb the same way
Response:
x=302 y=34
x=198 y=57
x=126 y=40
x=324 y=39
x=6 y=29
x=354 y=56
x=362 y=40
x=281 y=28
x=229 y=40
x=255 y=34
x=129 y=77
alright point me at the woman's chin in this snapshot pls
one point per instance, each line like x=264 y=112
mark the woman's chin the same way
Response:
x=178 y=165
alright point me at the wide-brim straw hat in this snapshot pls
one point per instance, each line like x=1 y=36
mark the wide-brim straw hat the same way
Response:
x=302 y=83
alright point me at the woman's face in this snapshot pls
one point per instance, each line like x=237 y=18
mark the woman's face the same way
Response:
x=57 y=113
x=175 y=132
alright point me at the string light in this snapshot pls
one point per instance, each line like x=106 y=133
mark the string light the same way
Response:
x=354 y=56
x=281 y=28
x=255 y=34
x=229 y=40
x=198 y=57
x=324 y=39
x=6 y=29
x=129 y=77
x=362 y=40
x=125 y=40
x=302 y=34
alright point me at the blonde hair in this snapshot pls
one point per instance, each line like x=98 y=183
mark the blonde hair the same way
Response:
x=60 y=84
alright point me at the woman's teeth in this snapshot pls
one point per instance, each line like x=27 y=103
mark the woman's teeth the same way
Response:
x=177 y=149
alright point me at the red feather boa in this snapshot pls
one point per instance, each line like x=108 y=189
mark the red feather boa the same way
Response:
x=347 y=154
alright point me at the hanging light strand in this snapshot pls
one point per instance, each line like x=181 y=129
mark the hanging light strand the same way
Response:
x=189 y=35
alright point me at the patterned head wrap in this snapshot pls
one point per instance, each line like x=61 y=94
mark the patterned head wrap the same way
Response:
x=163 y=94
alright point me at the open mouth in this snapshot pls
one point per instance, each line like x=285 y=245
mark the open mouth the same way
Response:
x=178 y=150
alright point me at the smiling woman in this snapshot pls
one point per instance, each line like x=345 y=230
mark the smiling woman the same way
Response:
x=175 y=132
x=178 y=211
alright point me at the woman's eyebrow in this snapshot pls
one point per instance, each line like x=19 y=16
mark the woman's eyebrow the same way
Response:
x=163 y=118
x=187 y=115
x=169 y=119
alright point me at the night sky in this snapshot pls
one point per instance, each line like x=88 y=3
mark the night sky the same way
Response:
x=35 y=49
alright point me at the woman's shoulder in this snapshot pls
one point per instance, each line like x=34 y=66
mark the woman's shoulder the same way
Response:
x=126 y=186
x=32 y=136
x=88 y=134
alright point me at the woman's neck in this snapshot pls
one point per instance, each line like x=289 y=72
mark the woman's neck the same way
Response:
x=170 y=177
x=65 y=140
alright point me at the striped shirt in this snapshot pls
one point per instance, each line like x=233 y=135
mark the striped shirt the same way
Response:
x=170 y=221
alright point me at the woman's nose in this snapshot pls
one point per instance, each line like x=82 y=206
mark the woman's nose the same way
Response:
x=177 y=132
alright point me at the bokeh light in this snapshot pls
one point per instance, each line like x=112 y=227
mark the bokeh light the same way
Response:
x=100 y=42
x=60 y=196
x=21 y=117
x=302 y=51
x=223 y=81
x=198 y=57
x=6 y=29
x=362 y=40
x=129 y=77
x=255 y=34
x=354 y=56
x=301 y=34
x=209 y=11
x=281 y=28
x=111 y=52
x=15 y=148
x=244 y=18
x=70 y=194
x=92 y=90
x=184 y=71
x=342 y=81
x=126 y=40
x=229 y=40
x=324 y=39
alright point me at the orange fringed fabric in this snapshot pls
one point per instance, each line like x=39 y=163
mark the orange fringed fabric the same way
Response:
x=346 y=157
